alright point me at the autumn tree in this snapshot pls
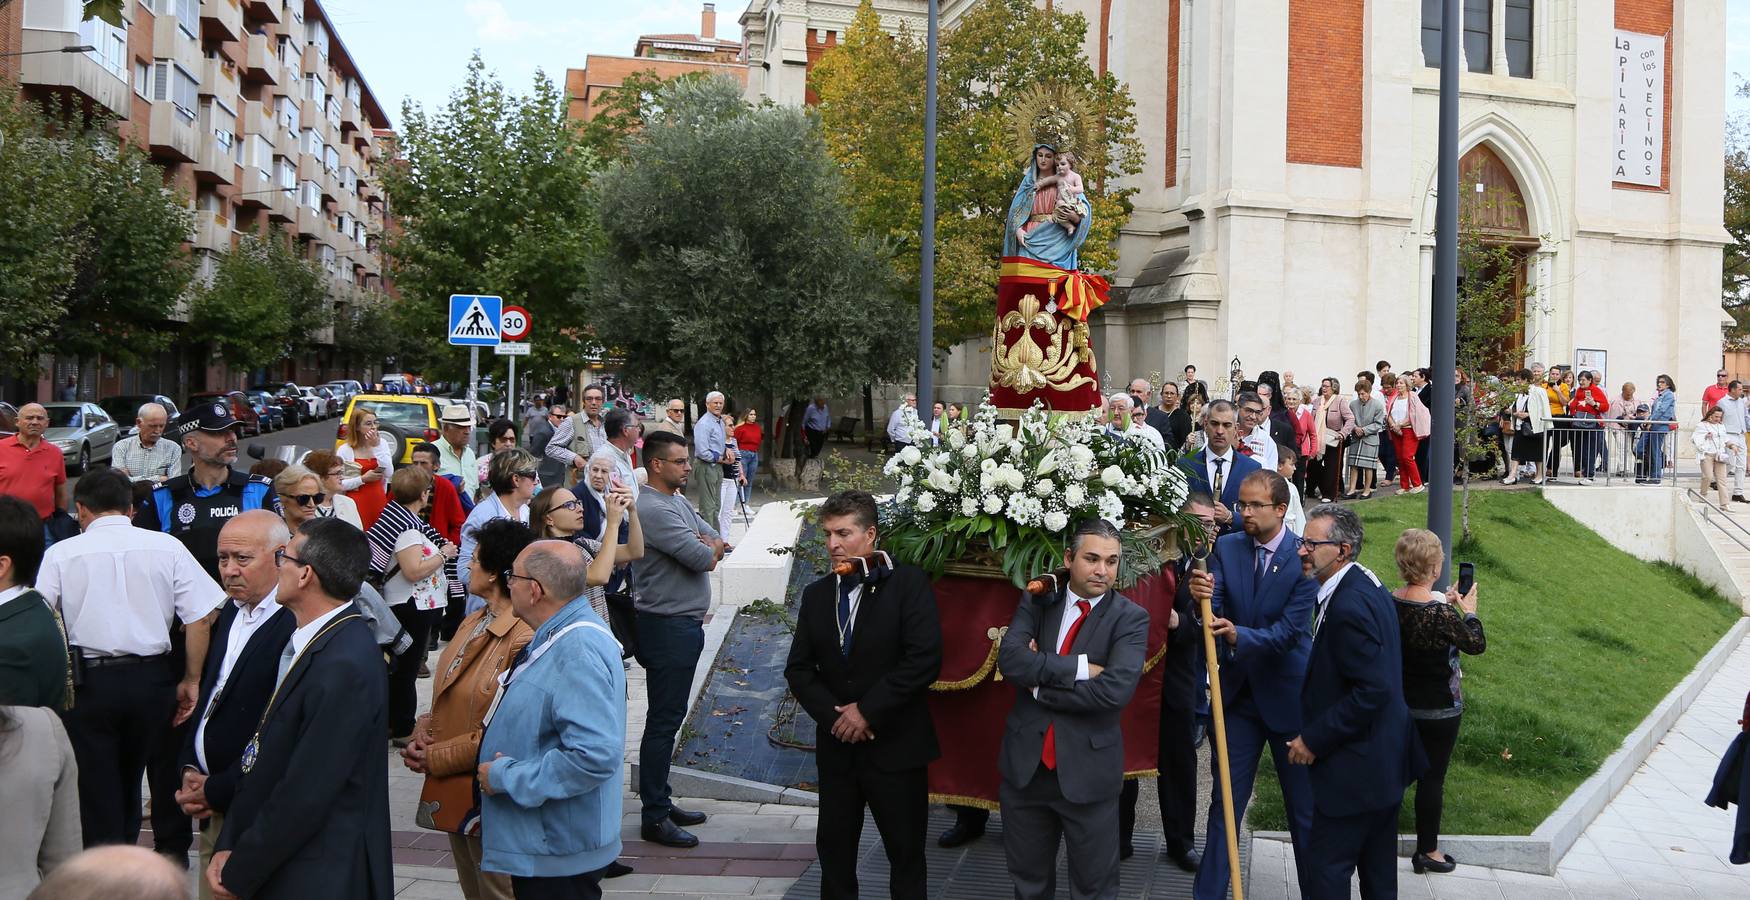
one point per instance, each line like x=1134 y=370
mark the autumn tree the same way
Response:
x=871 y=106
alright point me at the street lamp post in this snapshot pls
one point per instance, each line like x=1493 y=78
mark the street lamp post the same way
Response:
x=79 y=48
x=927 y=264
x=1443 y=324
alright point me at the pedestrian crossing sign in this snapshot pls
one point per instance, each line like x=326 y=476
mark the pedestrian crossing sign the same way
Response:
x=474 y=319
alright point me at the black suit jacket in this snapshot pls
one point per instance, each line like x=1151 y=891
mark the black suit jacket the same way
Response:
x=1353 y=715
x=896 y=652
x=1183 y=671
x=311 y=820
x=33 y=653
x=233 y=718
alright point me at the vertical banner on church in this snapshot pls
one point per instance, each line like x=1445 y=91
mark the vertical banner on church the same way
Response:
x=1639 y=109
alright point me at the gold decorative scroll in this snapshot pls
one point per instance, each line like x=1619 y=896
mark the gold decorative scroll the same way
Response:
x=1026 y=365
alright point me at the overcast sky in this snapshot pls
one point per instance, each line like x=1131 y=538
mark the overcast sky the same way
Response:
x=420 y=48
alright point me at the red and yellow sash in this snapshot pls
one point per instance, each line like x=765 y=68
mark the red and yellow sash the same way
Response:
x=1077 y=293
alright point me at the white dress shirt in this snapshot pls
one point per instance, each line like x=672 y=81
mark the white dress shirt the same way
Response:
x=243 y=627
x=1326 y=589
x=1227 y=470
x=118 y=586
x=1070 y=614
x=301 y=638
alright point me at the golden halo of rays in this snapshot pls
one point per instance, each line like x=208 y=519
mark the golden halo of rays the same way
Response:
x=1060 y=115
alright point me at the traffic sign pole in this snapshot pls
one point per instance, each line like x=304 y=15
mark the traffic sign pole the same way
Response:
x=510 y=395
x=473 y=378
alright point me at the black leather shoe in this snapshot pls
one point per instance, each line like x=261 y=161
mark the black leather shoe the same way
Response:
x=615 y=869
x=668 y=834
x=1188 y=860
x=960 y=833
x=684 y=818
x=1421 y=862
x=1126 y=851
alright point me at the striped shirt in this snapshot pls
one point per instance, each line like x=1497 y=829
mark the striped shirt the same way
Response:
x=154 y=464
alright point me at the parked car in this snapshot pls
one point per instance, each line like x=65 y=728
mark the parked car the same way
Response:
x=241 y=410
x=317 y=404
x=125 y=408
x=290 y=399
x=411 y=419
x=348 y=388
x=273 y=416
x=83 y=432
x=8 y=419
x=336 y=400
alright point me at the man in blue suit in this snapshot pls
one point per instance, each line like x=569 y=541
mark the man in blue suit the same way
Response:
x=1352 y=701
x=1218 y=468
x=1261 y=604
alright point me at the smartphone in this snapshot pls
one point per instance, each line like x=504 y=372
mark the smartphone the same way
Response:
x=1467 y=576
x=615 y=479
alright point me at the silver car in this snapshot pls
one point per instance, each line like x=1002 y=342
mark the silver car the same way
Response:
x=83 y=432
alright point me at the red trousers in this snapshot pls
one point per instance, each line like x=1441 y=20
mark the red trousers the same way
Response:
x=1405 y=443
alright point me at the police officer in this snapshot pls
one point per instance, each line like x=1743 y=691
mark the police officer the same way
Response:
x=193 y=508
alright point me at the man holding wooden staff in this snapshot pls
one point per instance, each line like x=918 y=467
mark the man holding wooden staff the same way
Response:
x=1262 y=606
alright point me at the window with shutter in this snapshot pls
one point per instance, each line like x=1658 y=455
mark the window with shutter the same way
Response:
x=160 y=81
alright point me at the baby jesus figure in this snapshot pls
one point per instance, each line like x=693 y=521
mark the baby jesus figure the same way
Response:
x=1070 y=194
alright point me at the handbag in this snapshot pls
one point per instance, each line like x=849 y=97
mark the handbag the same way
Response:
x=623 y=620
x=1523 y=429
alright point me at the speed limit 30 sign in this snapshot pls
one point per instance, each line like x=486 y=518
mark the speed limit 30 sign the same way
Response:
x=514 y=324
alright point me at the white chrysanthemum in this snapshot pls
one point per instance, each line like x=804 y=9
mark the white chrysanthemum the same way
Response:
x=926 y=502
x=993 y=503
x=1005 y=432
x=987 y=482
x=1056 y=521
x=1081 y=453
x=956 y=439
x=969 y=452
x=903 y=495
x=969 y=506
x=1075 y=495
x=1111 y=475
x=1111 y=508
x=1043 y=487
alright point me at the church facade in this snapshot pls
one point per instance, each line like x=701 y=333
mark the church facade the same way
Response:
x=1285 y=212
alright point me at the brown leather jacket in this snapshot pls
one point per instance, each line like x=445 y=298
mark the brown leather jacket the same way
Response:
x=460 y=695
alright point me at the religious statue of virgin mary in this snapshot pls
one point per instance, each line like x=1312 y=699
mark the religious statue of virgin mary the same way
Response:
x=1049 y=215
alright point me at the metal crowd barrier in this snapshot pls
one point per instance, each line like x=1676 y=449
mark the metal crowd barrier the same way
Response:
x=1607 y=451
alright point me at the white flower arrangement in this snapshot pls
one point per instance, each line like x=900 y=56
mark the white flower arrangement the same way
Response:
x=1016 y=492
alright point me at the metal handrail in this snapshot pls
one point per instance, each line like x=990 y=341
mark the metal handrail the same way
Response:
x=1723 y=515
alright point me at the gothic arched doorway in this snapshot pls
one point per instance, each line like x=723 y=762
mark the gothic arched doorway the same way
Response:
x=1494 y=221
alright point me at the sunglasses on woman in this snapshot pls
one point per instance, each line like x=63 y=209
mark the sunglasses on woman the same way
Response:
x=304 y=499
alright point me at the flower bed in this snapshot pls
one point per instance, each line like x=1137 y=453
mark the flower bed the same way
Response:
x=1008 y=495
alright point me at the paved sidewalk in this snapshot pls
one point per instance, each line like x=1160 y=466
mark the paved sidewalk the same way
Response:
x=1655 y=841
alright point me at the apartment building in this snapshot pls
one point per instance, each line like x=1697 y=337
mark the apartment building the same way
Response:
x=259 y=116
x=666 y=55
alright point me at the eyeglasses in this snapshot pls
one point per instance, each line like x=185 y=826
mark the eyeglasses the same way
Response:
x=1247 y=506
x=509 y=576
x=281 y=557
x=527 y=473
x=673 y=461
x=1254 y=410
x=304 y=499
x=574 y=505
x=1306 y=543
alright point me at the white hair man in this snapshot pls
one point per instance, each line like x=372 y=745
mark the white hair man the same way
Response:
x=145 y=455
x=711 y=459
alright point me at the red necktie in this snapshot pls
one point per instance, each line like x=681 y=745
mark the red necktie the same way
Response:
x=1245 y=450
x=1049 y=757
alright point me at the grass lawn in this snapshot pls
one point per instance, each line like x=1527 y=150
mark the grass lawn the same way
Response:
x=1584 y=640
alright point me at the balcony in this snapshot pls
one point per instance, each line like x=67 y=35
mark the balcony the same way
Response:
x=173 y=134
x=255 y=188
x=170 y=42
x=219 y=80
x=309 y=222
x=213 y=164
x=351 y=117
x=270 y=10
x=260 y=64
x=212 y=232
x=282 y=206
x=256 y=118
x=79 y=73
x=221 y=20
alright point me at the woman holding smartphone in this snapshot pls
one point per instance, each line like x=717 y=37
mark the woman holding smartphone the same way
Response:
x=1435 y=629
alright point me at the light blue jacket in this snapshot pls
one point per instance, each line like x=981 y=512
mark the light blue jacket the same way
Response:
x=560 y=726
x=484 y=511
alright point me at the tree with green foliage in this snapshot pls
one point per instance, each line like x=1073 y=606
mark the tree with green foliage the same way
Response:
x=41 y=194
x=624 y=110
x=132 y=266
x=871 y=107
x=264 y=302
x=729 y=259
x=1735 y=266
x=492 y=196
x=1491 y=319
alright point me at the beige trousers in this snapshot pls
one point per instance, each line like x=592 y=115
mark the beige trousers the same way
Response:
x=209 y=837
x=476 y=885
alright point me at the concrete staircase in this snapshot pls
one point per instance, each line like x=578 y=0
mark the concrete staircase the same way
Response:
x=1727 y=532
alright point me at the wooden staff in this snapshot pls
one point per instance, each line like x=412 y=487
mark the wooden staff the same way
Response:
x=1201 y=564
